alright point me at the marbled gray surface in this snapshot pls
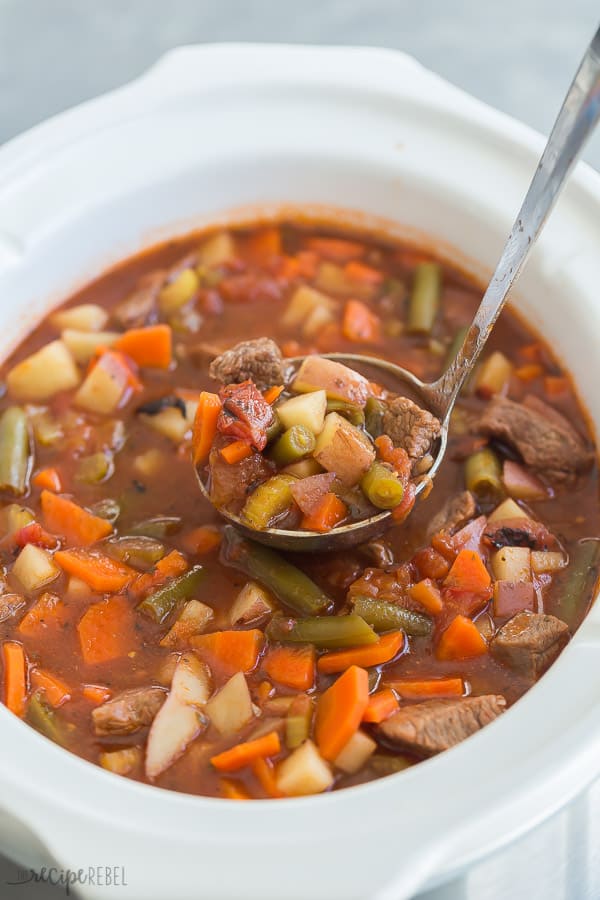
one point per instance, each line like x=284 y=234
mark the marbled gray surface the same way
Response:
x=518 y=55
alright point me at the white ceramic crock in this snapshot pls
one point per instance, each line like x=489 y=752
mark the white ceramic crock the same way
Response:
x=209 y=129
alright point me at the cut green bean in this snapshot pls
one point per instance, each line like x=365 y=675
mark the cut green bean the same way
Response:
x=138 y=551
x=483 y=473
x=325 y=632
x=15 y=457
x=298 y=721
x=107 y=509
x=425 y=298
x=274 y=429
x=382 y=486
x=385 y=616
x=161 y=603
x=293 y=445
x=268 y=501
x=96 y=468
x=43 y=718
x=287 y=583
x=457 y=342
x=158 y=527
x=349 y=411
x=374 y=410
x=574 y=590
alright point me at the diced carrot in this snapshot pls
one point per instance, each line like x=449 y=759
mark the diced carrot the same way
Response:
x=107 y=631
x=170 y=566
x=264 y=690
x=434 y=687
x=96 y=693
x=555 y=385
x=461 y=640
x=360 y=324
x=396 y=457
x=54 y=689
x=150 y=347
x=245 y=754
x=235 y=452
x=75 y=524
x=233 y=790
x=101 y=573
x=15 y=677
x=35 y=534
x=386 y=648
x=264 y=772
x=358 y=271
x=48 y=612
x=202 y=540
x=48 y=479
x=529 y=372
x=329 y=513
x=381 y=706
x=340 y=710
x=264 y=244
x=337 y=249
x=531 y=352
x=401 y=512
x=293 y=667
x=428 y=595
x=205 y=425
x=272 y=393
x=468 y=573
x=237 y=651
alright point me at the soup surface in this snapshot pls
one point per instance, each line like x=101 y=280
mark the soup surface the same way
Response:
x=143 y=634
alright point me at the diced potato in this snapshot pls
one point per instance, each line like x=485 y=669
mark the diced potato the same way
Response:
x=174 y=728
x=356 y=752
x=178 y=292
x=121 y=762
x=338 y=381
x=192 y=681
x=44 y=374
x=194 y=619
x=304 y=772
x=343 y=449
x=47 y=431
x=35 y=568
x=77 y=589
x=231 y=708
x=170 y=423
x=303 y=303
x=13 y=517
x=307 y=410
x=508 y=509
x=493 y=374
x=547 y=561
x=104 y=388
x=252 y=603
x=333 y=280
x=149 y=463
x=217 y=250
x=512 y=564
x=86 y=317
x=318 y=319
x=84 y=344
x=304 y=469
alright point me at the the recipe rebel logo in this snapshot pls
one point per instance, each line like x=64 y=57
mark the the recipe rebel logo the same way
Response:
x=96 y=876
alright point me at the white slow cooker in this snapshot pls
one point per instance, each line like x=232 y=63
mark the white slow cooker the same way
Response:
x=215 y=132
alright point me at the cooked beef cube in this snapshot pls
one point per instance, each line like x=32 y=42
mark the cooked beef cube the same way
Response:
x=455 y=513
x=435 y=725
x=129 y=711
x=530 y=642
x=246 y=415
x=519 y=532
x=232 y=483
x=409 y=426
x=259 y=361
x=544 y=438
x=137 y=310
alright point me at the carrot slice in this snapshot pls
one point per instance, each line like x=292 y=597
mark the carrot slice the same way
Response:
x=337 y=249
x=101 y=573
x=273 y=393
x=358 y=271
x=360 y=324
x=340 y=710
x=170 y=566
x=96 y=693
x=205 y=425
x=202 y=540
x=15 y=677
x=150 y=347
x=48 y=612
x=428 y=595
x=48 y=479
x=232 y=790
x=244 y=754
x=434 y=687
x=236 y=452
x=555 y=385
x=264 y=244
x=468 y=573
x=381 y=706
x=386 y=648
x=107 y=631
x=54 y=689
x=529 y=372
x=461 y=640
x=329 y=513
x=293 y=667
x=75 y=524
x=264 y=773
x=237 y=651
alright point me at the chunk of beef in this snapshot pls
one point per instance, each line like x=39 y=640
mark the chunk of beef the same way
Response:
x=435 y=725
x=544 y=438
x=231 y=483
x=138 y=309
x=129 y=711
x=409 y=426
x=519 y=532
x=245 y=415
x=530 y=642
x=259 y=361
x=455 y=513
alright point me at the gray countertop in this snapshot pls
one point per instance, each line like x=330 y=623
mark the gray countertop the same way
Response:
x=518 y=55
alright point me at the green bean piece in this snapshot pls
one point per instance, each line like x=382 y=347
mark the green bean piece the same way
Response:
x=349 y=411
x=287 y=583
x=374 y=410
x=42 y=717
x=159 y=527
x=274 y=429
x=325 y=632
x=96 y=468
x=15 y=458
x=268 y=501
x=385 y=616
x=298 y=721
x=385 y=764
x=457 y=342
x=425 y=298
x=483 y=473
x=107 y=509
x=293 y=445
x=138 y=551
x=573 y=590
x=161 y=603
x=382 y=486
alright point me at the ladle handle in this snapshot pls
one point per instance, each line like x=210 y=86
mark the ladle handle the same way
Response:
x=575 y=122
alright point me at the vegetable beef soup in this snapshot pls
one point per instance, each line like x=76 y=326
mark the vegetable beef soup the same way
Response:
x=140 y=632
